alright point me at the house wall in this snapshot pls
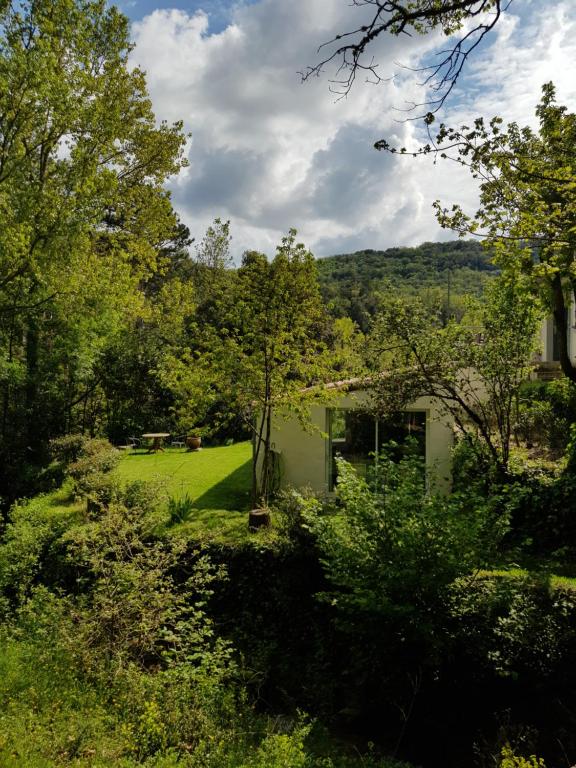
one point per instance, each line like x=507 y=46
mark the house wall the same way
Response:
x=547 y=337
x=304 y=454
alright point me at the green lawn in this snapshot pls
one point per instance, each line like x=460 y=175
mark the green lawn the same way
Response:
x=217 y=480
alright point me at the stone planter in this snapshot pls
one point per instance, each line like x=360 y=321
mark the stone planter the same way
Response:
x=193 y=443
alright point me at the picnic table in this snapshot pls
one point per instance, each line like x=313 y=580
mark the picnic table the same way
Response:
x=157 y=439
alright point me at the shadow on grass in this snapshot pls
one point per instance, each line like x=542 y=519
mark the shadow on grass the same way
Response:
x=232 y=492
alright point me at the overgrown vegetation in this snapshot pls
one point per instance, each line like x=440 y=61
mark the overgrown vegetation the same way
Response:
x=141 y=623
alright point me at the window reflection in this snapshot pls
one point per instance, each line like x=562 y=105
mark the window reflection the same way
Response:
x=357 y=436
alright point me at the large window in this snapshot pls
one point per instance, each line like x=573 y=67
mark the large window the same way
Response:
x=358 y=437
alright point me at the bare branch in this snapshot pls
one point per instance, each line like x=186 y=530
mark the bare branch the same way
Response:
x=406 y=18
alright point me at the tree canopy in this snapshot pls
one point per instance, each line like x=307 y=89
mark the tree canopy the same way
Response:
x=527 y=210
x=271 y=344
x=84 y=211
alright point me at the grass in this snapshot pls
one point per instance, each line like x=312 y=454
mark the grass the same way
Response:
x=552 y=580
x=215 y=478
x=214 y=483
x=212 y=486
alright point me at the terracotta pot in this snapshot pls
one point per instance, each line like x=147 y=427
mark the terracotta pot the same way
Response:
x=194 y=442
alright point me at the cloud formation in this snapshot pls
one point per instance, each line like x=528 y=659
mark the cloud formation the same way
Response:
x=271 y=153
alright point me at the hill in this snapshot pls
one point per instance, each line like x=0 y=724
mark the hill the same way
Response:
x=442 y=273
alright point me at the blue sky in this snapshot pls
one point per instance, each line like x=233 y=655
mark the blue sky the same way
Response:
x=270 y=153
x=219 y=12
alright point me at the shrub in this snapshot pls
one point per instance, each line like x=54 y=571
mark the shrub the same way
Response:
x=546 y=410
x=510 y=760
x=67 y=449
x=391 y=548
x=97 y=456
x=390 y=552
x=513 y=624
x=29 y=540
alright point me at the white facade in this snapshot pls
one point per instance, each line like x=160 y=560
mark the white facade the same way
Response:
x=548 y=346
x=305 y=455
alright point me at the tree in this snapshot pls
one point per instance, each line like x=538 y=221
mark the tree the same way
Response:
x=528 y=202
x=270 y=351
x=390 y=551
x=84 y=212
x=212 y=261
x=406 y=17
x=474 y=368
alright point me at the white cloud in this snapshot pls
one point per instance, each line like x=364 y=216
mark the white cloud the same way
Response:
x=269 y=152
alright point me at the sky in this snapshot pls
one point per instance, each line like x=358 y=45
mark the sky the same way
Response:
x=269 y=152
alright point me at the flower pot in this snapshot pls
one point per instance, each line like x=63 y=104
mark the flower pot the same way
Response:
x=193 y=443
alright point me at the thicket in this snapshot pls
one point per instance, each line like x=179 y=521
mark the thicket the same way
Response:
x=108 y=653
x=388 y=613
x=404 y=618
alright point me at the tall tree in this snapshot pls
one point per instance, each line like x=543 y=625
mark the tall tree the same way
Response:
x=527 y=208
x=212 y=261
x=82 y=164
x=473 y=368
x=270 y=348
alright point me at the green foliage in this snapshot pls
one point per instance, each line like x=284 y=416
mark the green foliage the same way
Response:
x=391 y=550
x=547 y=409
x=212 y=263
x=517 y=626
x=85 y=216
x=268 y=347
x=67 y=448
x=473 y=369
x=180 y=509
x=527 y=202
x=96 y=456
x=29 y=542
x=440 y=274
x=133 y=396
x=511 y=760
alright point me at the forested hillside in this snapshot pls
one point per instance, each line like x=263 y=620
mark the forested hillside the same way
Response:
x=442 y=273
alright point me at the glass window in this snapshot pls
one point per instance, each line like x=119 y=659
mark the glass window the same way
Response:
x=357 y=436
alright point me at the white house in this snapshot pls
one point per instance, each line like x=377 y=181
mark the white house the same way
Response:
x=306 y=457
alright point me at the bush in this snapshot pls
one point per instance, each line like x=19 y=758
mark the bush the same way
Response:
x=68 y=448
x=546 y=411
x=515 y=625
x=96 y=457
x=390 y=552
x=510 y=760
x=29 y=543
x=391 y=548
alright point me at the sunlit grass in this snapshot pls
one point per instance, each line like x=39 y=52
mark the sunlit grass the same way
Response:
x=215 y=478
x=214 y=481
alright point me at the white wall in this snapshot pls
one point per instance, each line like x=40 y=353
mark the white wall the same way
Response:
x=547 y=337
x=303 y=455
